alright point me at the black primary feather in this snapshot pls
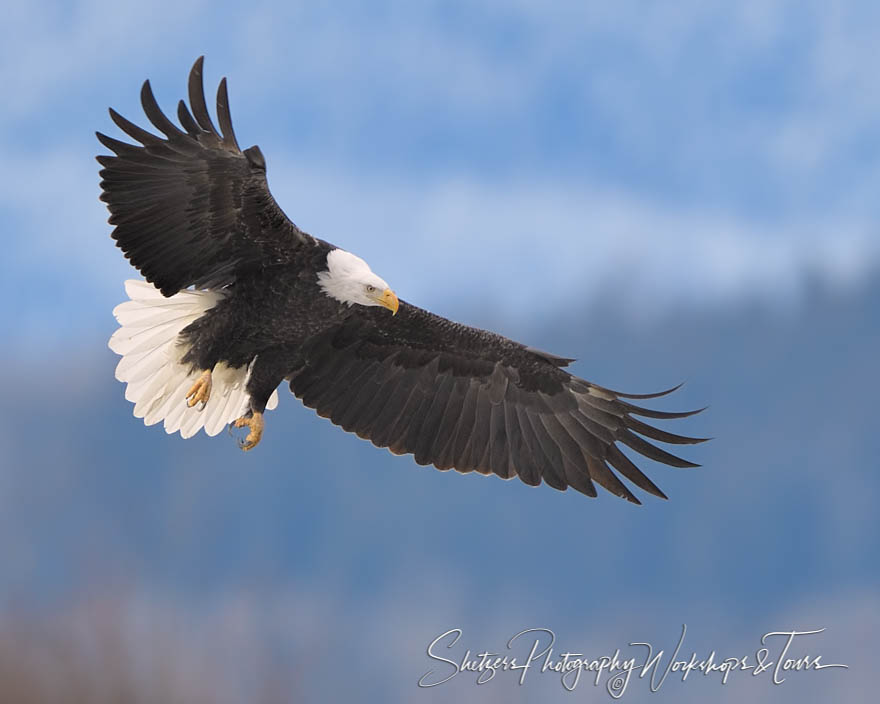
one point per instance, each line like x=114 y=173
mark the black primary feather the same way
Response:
x=191 y=209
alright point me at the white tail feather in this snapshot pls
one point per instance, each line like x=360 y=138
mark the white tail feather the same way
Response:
x=156 y=380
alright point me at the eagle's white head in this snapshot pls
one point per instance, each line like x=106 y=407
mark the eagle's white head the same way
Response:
x=350 y=280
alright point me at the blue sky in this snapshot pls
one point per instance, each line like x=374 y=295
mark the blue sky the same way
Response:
x=702 y=153
x=684 y=174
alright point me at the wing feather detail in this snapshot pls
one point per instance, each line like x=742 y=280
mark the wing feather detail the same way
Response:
x=462 y=398
x=189 y=207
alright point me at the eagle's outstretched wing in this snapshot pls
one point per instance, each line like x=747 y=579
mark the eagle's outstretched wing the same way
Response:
x=192 y=208
x=458 y=397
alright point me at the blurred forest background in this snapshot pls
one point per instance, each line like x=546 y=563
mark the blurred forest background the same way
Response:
x=667 y=193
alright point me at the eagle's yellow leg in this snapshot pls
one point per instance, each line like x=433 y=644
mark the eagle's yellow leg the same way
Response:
x=255 y=423
x=200 y=392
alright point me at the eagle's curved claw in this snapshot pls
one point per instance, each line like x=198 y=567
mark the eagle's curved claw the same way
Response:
x=254 y=422
x=200 y=392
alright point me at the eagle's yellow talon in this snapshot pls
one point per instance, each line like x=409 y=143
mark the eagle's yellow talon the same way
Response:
x=255 y=423
x=200 y=392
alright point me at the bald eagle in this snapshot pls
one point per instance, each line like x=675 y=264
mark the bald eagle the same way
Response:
x=237 y=299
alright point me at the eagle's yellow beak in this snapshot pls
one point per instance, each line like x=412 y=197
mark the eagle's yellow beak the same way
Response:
x=389 y=301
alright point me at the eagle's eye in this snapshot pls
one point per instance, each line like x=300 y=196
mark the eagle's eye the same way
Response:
x=370 y=288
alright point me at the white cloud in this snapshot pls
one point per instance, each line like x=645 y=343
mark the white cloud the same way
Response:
x=527 y=245
x=461 y=247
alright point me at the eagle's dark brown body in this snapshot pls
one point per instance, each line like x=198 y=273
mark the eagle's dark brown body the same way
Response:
x=192 y=210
